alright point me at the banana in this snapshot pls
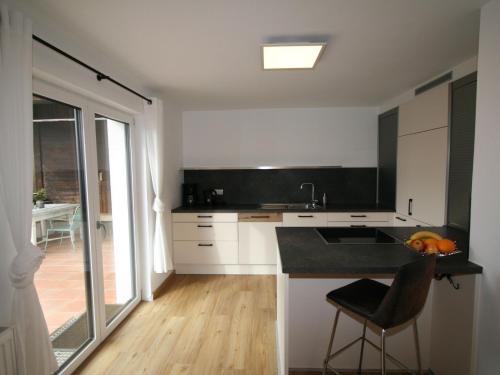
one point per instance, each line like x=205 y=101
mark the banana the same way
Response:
x=425 y=234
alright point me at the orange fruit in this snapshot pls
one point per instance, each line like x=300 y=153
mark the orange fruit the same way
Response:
x=430 y=241
x=446 y=246
x=431 y=249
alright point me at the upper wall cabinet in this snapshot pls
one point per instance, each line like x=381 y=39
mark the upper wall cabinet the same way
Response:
x=426 y=111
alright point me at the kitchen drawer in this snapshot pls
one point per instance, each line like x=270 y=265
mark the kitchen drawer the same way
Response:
x=205 y=231
x=267 y=217
x=405 y=221
x=205 y=217
x=305 y=219
x=359 y=224
x=206 y=252
x=359 y=216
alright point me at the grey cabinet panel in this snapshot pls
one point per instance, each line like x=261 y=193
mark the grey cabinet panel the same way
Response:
x=387 y=158
x=463 y=114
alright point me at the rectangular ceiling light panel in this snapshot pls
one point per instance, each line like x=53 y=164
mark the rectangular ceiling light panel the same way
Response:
x=291 y=56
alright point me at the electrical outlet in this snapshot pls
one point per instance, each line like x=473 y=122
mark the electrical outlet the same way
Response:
x=219 y=191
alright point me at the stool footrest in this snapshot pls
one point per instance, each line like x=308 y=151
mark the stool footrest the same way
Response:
x=361 y=338
x=344 y=348
x=391 y=358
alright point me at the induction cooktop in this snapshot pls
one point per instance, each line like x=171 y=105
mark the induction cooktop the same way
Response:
x=350 y=235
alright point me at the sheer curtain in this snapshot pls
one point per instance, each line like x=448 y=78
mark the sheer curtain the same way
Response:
x=33 y=347
x=152 y=120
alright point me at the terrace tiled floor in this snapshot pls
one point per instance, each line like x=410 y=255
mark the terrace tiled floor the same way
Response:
x=60 y=281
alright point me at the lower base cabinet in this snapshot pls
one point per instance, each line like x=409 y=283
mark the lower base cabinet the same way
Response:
x=257 y=242
x=206 y=252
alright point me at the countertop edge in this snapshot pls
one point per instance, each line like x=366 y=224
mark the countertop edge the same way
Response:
x=242 y=209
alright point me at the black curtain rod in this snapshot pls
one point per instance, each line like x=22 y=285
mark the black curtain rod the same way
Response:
x=99 y=75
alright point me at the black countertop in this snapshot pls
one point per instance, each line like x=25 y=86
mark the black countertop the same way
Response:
x=258 y=208
x=304 y=253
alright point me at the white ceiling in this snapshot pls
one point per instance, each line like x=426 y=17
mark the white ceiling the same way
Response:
x=207 y=53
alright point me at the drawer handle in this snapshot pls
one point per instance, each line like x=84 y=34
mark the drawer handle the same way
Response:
x=400 y=218
x=204 y=226
x=260 y=217
x=358 y=215
x=410 y=206
x=358 y=226
x=205 y=216
x=206 y=244
x=305 y=215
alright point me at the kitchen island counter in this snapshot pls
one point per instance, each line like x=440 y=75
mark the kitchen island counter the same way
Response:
x=303 y=253
x=308 y=267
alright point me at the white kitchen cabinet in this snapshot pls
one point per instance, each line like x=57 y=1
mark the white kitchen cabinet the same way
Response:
x=205 y=231
x=305 y=219
x=206 y=252
x=399 y=220
x=354 y=224
x=205 y=217
x=421 y=171
x=426 y=111
x=359 y=216
x=257 y=242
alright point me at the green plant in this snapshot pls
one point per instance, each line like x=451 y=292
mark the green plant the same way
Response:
x=40 y=195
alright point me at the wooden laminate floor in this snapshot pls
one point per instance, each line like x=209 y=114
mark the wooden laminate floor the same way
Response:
x=200 y=325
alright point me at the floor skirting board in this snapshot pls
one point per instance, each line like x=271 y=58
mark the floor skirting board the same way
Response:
x=231 y=269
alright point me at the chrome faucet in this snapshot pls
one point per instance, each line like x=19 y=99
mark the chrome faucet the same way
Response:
x=314 y=202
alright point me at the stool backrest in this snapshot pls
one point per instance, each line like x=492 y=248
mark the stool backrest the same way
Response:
x=407 y=294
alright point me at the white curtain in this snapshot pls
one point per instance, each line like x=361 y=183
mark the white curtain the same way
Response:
x=154 y=129
x=33 y=347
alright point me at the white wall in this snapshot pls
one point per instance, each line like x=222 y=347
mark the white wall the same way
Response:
x=485 y=249
x=458 y=71
x=281 y=137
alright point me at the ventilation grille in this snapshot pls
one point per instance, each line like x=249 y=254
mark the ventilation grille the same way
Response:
x=445 y=77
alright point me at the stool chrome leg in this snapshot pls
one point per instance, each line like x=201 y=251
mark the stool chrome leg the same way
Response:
x=327 y=358
x=382 y=351
x=417 y=346
x=362 y=348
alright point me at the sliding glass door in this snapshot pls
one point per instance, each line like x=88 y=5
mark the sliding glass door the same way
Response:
x=83 y=219
x=60 y=226
x=115 y=214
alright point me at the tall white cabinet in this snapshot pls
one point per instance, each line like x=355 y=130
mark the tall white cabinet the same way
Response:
x=423 y=156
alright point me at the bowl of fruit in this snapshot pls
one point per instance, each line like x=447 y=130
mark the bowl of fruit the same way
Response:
x=427 y=242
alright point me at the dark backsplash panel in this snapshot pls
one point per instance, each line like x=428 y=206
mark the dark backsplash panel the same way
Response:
x=356 y=186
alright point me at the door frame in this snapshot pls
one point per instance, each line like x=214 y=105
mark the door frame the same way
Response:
x=94 y=108
x=88 y=140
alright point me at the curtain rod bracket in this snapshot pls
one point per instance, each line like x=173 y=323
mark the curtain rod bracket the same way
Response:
x=100 y=77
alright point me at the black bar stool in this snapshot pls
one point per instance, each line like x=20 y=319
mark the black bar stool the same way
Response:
x=384 y=306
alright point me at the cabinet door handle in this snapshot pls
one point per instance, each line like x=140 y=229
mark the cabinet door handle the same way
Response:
x=305 y=215
x=205 y=216
x=410 y=206
x=204 y=226
x=400 y=218
x=358 y=226
x=205 y=244
x=358 y=215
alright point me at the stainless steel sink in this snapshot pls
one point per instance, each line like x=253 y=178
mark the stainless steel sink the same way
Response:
x=287 y=206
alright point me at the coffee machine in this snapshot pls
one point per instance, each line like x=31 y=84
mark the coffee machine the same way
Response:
x=189 y=195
